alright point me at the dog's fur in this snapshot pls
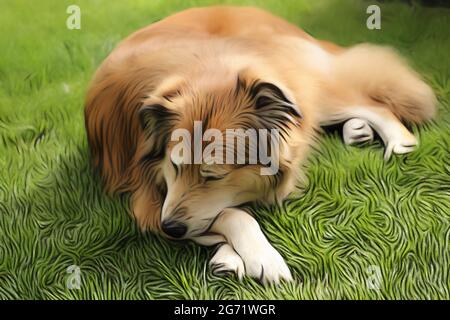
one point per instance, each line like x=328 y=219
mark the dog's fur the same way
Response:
x=214 y=65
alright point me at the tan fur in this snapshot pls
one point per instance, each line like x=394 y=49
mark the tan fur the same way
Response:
x=191 y=63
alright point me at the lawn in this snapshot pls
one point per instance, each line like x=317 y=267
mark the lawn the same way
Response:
x=363 y=228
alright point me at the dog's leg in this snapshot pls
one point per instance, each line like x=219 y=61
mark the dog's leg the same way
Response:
x=357 y=131
x=226 y=261
x=394 y=134
x=244 y=235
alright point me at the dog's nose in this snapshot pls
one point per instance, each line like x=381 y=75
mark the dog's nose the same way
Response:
x=174 y=229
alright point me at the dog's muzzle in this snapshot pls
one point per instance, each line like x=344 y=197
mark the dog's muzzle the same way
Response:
x=173 y=228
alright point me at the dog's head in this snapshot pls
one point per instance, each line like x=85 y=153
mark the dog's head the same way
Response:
x=218 y=146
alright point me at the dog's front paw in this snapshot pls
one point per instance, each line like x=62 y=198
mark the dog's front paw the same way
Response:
x=266 y=265
x=227 y=261
x=401 y=143
x=357 y=131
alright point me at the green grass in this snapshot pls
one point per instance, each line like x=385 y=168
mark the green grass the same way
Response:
x=357 y=211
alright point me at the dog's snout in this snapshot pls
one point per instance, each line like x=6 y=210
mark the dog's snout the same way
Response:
x=174 y=229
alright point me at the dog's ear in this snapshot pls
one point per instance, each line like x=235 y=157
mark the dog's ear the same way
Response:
x=157 y=122
x=273 y=106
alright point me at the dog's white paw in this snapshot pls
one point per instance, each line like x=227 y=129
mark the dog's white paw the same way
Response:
x=401 y=143
x=356 y=131
x=266 y=265
x=227 y=261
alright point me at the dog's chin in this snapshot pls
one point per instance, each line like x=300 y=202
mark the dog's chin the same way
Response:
x=203 y=232
x=203 y=229
x=208 y=234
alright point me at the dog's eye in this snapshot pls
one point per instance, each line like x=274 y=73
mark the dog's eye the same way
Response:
x=213 y=178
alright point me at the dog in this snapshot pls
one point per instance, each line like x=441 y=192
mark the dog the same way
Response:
x=236 y=68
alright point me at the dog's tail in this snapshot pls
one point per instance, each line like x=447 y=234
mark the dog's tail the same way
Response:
x=383 y=76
